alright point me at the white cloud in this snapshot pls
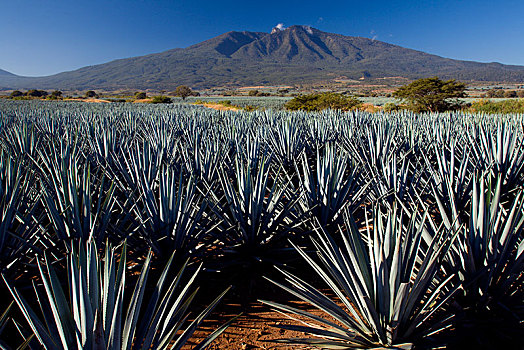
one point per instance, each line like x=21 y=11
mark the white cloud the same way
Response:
x=280 y=26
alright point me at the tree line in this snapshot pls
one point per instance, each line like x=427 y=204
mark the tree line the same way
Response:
x=422 y=95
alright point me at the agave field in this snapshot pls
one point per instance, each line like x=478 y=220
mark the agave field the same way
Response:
x=401 y=229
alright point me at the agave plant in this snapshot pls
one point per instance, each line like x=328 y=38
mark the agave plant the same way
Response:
x=494 y=243
x=395 y=179
x=18 y=234
x=4 y=319
x=330 y=186
x=21 y=139
x=166 y=205
x=203 y=159
x=174 y=220
x=105 y=141
x=492 y=250
x=78 y=202
x=501 y=151
x=387 y=282
x=94 y=316
x=255 y=210
x=320 y=130
x=487 y=256
x=451 y=181
x=287 y=140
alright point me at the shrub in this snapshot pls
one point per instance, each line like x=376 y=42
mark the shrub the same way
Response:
x=16 y=93
x=499 y=107
x=55 y=95
x=495 y=93
x=91 y=94
x=36 y=93
x=140 y=95
x=391 y=107
x=22 y=98
x=160 y=99
x=318 y=102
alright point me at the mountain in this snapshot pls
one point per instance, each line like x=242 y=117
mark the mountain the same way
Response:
x=4 y=73
x=298 y=54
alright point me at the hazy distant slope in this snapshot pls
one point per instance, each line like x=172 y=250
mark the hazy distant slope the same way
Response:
x=4 y=73
x=298 y=54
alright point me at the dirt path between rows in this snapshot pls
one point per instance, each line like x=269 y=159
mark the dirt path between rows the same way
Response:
x=220 y=107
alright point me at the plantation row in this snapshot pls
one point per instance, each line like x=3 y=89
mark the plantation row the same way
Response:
x=415 y=222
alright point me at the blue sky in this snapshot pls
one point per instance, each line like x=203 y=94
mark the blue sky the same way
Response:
x=45 y=37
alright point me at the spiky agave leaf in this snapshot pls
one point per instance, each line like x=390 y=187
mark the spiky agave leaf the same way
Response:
x=329 y=186
x=500 y=149
x=203 y=159
x=488 y=255
x=385 y=279
x=78 y=203
x=18 y=235
x=287 y=140
x=21 y=138
x=451 y=180
x=492 y=247
x=166 y=204
x=175 y=219
x=4 y=319
x=94 y=315
x=255 y=207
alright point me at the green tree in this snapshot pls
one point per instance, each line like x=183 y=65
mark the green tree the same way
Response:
x=391 y=107
x=183 y=91
x=17 y=93
x=495 y=93
x=431 y=94
x=140 y=95
x=56 y=93
x=160 y=99
x=498 y=107
x=36 y=93
x=520 y=93
x=318 y=102
x=91 y=94
x=510 y=94
x=253 y=93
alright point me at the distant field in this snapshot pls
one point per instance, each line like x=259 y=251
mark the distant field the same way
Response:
x=273 y=102
x=277 y=102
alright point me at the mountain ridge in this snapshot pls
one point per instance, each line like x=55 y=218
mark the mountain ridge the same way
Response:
x=4 y=73
x=295 y=55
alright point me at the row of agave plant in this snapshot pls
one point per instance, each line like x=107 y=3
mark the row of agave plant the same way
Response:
x=413 y=222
